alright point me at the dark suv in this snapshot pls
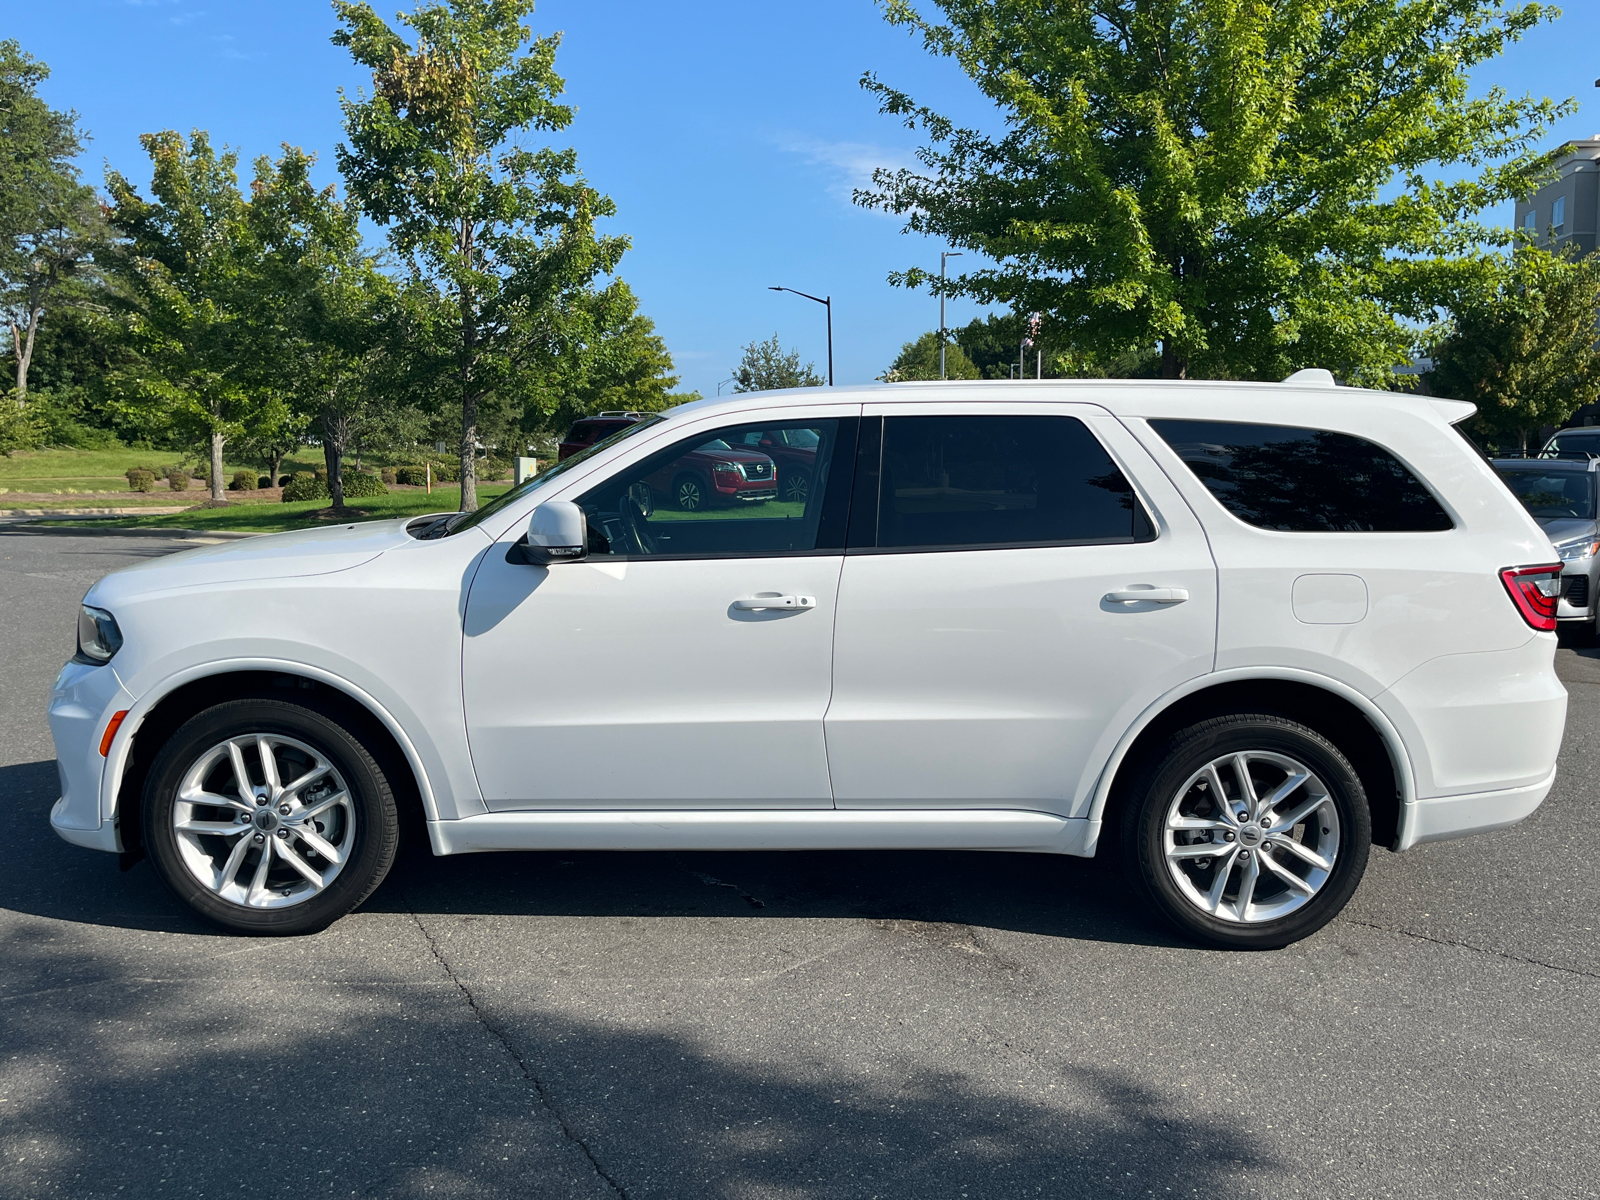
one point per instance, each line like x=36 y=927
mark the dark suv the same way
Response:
x=586 y=432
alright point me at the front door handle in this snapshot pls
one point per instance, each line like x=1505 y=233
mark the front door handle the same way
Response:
x=1144 y=592
x=758 y=602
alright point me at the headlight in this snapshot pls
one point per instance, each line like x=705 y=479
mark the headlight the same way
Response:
x=98 y=636
x=1576 y=550
x=734 y=468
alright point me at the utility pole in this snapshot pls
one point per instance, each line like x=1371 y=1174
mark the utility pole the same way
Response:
x=826 y=302
x=943 y=255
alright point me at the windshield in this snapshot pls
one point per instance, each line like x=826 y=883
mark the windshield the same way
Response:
x=456 y=522
x=1553 y=493
x=1572 y=444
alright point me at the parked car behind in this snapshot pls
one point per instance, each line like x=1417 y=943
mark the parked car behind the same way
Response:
x=1232 y=634
x=1560 y=493
x=1577 y=443
x=589 y=430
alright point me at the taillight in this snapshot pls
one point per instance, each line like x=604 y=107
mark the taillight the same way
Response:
x=1535 y=591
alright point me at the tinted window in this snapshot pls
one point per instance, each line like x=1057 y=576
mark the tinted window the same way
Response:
x=1001 y=481
x=743 y=491
x=1551 y=493
x=1304 y=480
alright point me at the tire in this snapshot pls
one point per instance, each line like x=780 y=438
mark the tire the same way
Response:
x=329 y=806
x=1171 y=824
x=796 y=485
x=688 y=493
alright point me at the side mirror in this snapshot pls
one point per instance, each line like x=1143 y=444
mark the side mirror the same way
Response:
x=557 y=532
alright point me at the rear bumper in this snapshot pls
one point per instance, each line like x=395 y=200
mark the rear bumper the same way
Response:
x=1441 y=818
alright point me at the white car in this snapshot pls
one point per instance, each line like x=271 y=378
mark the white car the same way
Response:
x=1231 y=632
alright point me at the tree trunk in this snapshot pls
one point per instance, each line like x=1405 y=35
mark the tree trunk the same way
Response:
x=1173 y=365
x=216 y=469
x=277 y=467
x=335 y=437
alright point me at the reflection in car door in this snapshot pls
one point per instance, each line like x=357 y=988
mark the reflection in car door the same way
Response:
x=635 y=679
x=991 y=669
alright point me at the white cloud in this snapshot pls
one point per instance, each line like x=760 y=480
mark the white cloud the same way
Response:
x=849 y=163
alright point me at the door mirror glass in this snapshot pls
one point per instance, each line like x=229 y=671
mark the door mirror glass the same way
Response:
x=556 y=533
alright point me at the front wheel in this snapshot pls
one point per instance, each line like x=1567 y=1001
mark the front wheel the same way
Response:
x=268 y=817
x=1248 y=831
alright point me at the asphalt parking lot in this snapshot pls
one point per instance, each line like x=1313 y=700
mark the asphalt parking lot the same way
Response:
x=783 y=1025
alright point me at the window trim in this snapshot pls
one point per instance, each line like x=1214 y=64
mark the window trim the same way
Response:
x=867 y=496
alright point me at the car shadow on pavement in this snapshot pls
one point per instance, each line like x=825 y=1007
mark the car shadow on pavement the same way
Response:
x=121 y=1082
x=1031 y=893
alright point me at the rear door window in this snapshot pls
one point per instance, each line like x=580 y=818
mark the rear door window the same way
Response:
x=1300 y=480
x=988 y=482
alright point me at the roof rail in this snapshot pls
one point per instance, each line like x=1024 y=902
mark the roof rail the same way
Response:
x=618 y=413
x=1313 y=377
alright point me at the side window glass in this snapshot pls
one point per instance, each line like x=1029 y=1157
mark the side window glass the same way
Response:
x=1304 y=480
x=984 y=482
x=745 y=490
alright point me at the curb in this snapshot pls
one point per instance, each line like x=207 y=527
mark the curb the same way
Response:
x=36 y=530
x=84 y=514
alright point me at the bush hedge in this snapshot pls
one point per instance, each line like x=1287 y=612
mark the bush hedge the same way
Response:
x=177 y=479
x=387 y=475
x=304 y=485
x=243 y=481
x=411 y=476
x=362 y=483
x=141 y=480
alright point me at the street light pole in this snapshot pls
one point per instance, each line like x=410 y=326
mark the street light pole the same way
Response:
x=827 y=303
x=943 y=255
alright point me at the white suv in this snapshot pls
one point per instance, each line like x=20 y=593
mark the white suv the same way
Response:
x=1231 y=632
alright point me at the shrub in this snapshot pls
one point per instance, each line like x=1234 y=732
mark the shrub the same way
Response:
x=387 y=475
x=264 y=481
x=141 y=480
x=243 y=481
x=411 y=476
x=362 y=483
x=493 y=467
x=303 y=485
x=177 y=479
x=446 y=472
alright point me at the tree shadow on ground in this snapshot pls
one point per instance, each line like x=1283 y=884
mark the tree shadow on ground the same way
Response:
x=218 y=1083
x=1033 y=893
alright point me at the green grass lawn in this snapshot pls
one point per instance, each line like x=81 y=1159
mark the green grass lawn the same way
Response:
x=104 y=470
x=276 y=517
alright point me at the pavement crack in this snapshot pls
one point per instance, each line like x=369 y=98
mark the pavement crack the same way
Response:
x=545 y=1098
x=713 y=881
x=1422 y=937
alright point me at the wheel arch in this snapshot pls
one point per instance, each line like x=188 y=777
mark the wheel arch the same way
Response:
x=1340 y=713
x=162 y=710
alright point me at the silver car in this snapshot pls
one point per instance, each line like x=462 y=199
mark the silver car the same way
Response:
x=1560 y=493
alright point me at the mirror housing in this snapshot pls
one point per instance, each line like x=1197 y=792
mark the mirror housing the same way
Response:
x=557 y=532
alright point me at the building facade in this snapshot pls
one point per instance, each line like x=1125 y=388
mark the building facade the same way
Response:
x=1566 y=211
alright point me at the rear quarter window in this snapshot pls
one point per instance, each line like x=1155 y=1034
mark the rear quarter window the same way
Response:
x=1301 y=480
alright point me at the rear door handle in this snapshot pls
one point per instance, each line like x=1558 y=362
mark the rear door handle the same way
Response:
x=1156 y=595
x=758 y=602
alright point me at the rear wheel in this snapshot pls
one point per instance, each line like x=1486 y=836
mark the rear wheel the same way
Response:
x=688 y=493
x=268 y=817
x=796 y=485
x=1248 y=831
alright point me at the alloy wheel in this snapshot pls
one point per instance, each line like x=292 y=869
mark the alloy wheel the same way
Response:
x=1251 y=837
x=263 y=821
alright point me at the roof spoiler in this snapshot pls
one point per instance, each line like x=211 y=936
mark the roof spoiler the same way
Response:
x=1454 y=411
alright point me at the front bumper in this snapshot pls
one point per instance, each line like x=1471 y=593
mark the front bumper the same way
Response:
x=81 y=703
x=1578 y=591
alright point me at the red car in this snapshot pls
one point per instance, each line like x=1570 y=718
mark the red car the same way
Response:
x=590 y=430
x=795 y=452
x=716 y=474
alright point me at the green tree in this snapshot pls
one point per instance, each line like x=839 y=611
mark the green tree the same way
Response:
x=190 y=270
x=496 y=231
x=920 y=360
x=608 y=356
x=50 y=224
x=764 y=367
x=1243 y=183
x=994 y=344
x=1522 y=346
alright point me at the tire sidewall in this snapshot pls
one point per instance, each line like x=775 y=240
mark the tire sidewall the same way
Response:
x=377 y=826
x=1187 y=752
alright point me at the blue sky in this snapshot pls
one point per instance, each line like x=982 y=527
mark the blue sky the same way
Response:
x=729 y=135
